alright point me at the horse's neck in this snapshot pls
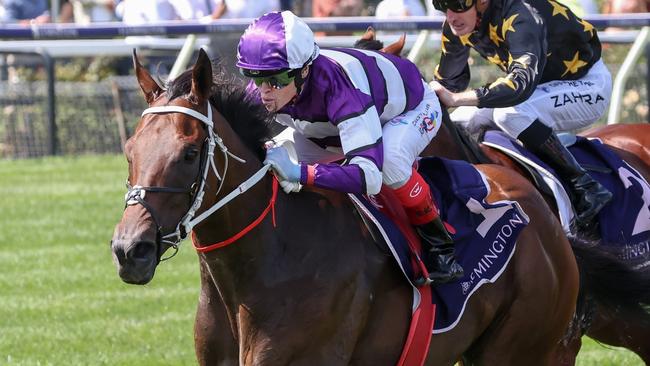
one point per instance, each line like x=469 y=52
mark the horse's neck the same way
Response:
x=232 y=267
x=452 y=143
x=303 y=252
x=299 y=220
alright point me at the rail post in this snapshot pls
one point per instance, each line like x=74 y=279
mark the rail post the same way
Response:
x=53 y=141
x=621 y=77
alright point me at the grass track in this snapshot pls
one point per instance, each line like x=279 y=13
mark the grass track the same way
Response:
x=61 y=301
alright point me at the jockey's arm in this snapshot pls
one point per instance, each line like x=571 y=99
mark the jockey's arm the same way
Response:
x=361 y=140
x=451 y=99
x=526 y=61
x=452 y=71
x=525 y=65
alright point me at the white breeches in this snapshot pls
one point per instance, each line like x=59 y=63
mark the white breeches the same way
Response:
x=563 y=105
x=404 y=137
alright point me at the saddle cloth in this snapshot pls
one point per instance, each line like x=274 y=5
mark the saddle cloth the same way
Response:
x=625 y=222
x=485 y=233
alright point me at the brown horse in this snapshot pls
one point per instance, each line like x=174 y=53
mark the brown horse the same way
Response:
x=623 y=324
x=618 y=325
x=309 y=286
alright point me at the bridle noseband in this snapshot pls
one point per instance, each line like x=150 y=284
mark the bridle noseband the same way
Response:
x=136 y=193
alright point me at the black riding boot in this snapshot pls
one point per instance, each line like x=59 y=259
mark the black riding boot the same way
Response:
x=438 y=254
x=587 y=196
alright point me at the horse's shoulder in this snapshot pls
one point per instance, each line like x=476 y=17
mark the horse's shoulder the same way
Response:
x=506 y=183
x=327 y=197
x=617 y=130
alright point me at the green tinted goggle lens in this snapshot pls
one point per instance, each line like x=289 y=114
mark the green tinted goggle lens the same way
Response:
x=277 y=81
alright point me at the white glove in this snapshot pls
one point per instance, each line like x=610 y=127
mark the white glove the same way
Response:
x=289 y=187
x=287 y=172
x=281 y=163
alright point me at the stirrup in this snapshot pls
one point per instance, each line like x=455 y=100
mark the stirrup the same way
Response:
x=588 y=230
x=423 y=281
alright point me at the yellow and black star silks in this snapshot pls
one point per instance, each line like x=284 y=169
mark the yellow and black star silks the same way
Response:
x=573 y=65
x=534 y=42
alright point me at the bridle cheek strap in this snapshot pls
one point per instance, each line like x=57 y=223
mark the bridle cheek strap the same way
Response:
x=247 y=229
x=188 y=222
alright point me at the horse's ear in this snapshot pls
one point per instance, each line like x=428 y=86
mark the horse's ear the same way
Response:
x=149 y=86
x=201 y=78
x=369 y=35
x=396 y=47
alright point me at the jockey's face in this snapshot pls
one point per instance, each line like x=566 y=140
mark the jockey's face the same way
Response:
x=273 y=98
x=462 y=23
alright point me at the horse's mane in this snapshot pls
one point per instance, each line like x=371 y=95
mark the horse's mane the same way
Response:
x=369 y=44
x=247 y=117
x=459 y=133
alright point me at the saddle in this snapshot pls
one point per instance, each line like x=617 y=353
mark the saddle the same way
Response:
x=482 y=247
x=624 y=224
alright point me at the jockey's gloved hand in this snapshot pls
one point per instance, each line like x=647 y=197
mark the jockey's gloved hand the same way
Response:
x=284 y=168
x=289 y=187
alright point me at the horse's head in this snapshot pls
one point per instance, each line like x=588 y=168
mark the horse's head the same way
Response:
x=173 y=157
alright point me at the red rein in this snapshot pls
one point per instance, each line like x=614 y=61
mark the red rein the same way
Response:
x=251 y=226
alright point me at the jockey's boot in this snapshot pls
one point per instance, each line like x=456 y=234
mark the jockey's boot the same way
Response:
x=438 y=247
x=440 y=259
x=587 y=195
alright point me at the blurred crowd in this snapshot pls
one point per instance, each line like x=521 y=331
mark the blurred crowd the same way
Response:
x=135 y=12
x=223 y=46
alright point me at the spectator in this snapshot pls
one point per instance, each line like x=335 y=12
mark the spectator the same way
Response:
x=625 y=6
x=195 y=9
x=25 y=11
x=135 y=12
x=139 y=12
x=399 y=8
x=89 y=11
x=233 y=9
x=65 y=13
x=336 y=8
x=622 y=7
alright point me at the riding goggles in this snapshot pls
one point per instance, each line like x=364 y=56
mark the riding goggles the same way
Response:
x=275 y=81
x=457 y=6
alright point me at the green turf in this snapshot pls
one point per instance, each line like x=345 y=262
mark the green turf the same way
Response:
x=61 y=301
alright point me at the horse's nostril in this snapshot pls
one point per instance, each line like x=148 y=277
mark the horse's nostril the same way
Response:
x=142 y=250
x=119 y=254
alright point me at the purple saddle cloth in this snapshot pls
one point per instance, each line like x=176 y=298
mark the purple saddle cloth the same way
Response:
x=625 y=222
x=485 y=237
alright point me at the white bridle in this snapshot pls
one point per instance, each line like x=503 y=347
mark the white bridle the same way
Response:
x=188 y=222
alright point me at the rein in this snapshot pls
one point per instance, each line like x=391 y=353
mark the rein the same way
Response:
x=136 y=193
x=251 y=226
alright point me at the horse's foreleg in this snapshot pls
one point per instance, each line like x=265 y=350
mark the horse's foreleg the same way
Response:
x=567 y=351
x=384 y=334
x=527 y=327
x=631 y=331
x=214 y=342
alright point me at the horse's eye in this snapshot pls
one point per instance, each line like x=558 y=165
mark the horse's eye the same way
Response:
x=191 y=154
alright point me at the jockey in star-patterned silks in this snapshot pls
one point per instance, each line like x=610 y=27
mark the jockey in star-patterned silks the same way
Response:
x=370 y=108
x=555 y=80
